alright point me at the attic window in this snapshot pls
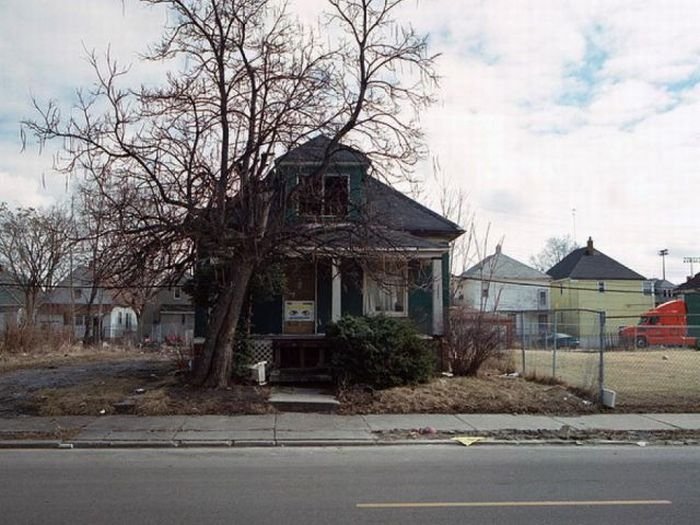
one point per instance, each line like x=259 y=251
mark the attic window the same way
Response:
x=77 y=293
x=177 y=293
x=327 y=196
x=601 y=286
x=335 y=195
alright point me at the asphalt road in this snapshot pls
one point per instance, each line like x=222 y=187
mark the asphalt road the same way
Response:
x=409 y=484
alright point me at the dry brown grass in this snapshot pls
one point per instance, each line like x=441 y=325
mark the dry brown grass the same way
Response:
x=48 y=357
x=644 y=380
x=485 y=394
x=85 y=399
x=159 y=397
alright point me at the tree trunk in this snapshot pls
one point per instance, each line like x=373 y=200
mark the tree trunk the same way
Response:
x=215 y=366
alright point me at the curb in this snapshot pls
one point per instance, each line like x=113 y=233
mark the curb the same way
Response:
x=300 y=443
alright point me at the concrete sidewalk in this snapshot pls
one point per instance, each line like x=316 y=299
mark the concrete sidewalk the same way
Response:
x=289 y=429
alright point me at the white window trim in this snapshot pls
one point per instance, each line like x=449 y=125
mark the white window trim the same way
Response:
x=365 y=295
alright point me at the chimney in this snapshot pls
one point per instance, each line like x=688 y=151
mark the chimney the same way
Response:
x=498 y=249
x=589 y=246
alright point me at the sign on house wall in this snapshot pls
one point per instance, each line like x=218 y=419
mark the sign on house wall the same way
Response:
x=299 y=311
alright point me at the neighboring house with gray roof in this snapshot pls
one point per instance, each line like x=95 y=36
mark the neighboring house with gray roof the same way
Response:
x=71 y=304
x=505 y=285
x=692 y=284
x=586 y=282
x=11 y=300
x=169 y=316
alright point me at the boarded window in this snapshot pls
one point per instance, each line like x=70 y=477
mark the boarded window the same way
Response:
x=335 y=195
x=310 y=195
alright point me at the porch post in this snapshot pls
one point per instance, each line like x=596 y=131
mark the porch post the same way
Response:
x=438 y=328
x=335 y=290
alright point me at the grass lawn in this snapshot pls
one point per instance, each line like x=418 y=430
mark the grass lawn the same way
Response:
x=667 y=379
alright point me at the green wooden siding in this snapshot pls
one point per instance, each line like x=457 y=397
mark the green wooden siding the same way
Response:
x=267 y=315
x=446 y=296
x=420 y=295
x=351 y=300
x=323 y=294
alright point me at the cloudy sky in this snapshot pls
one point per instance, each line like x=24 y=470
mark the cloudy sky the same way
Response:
x=546 y=107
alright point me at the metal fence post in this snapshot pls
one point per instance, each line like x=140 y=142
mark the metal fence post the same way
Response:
x=522 y=339
x=554 y=347
x=601 y=363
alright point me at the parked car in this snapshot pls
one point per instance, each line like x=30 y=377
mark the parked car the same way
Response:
x=563 y=341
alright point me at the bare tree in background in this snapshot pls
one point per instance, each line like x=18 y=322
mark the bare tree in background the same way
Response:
x=185 y=165
x=555 y=249
x=34 y=248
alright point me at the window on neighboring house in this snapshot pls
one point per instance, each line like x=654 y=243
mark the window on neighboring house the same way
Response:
x=543 y=298
x=647 y=288
x=77 y=293
x=485 y=289
x=128 y=320
x=79 y=320
x=387 y=290
x=601 y=286
x=177 y=293
x=183 y=320
x=119 y=318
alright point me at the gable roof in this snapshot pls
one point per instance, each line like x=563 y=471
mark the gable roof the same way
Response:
x=589 y=263
x=398 y=211
x=691 y=284
x=315 y=149
x=499 y=265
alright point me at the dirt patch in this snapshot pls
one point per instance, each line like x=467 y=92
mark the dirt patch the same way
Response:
x=148 y=392
x=486 y=394
x=78 y=354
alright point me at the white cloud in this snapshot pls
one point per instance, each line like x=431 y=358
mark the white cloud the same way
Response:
x=623 y=151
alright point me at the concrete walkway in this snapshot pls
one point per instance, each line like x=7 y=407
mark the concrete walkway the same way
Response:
x=289 y=429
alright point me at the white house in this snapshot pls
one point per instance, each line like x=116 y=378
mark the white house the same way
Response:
x=502 y=284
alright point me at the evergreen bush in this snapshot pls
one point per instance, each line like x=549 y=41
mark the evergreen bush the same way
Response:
x=380 y=351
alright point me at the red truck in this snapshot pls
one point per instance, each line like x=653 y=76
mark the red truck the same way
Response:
x=666 y=325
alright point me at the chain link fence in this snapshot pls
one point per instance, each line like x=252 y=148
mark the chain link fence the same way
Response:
x=590 y=352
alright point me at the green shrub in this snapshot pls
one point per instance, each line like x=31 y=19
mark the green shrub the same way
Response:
x=379 y=351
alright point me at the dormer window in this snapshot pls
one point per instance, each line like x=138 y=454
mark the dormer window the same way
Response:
x=177 y=293
x=323 y=197
x=335 y=195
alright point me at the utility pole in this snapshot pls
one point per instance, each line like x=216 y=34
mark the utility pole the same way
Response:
x=573 y=218
x=663 y=253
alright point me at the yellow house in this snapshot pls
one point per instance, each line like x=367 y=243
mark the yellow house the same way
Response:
x=587 y=281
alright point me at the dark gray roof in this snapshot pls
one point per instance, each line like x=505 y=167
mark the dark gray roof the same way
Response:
x=315 y=150
x=499 y=265
x=589 y=263
x=393 y=209
x=349 y=236
x=691 y=284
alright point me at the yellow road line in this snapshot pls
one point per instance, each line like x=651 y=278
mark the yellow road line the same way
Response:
x=583 y=503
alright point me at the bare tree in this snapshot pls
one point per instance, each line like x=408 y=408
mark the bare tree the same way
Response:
x=555 y=249
x=185 y=166
x=34 y=246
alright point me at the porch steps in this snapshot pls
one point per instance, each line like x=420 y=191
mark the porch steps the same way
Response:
x=296 y=399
